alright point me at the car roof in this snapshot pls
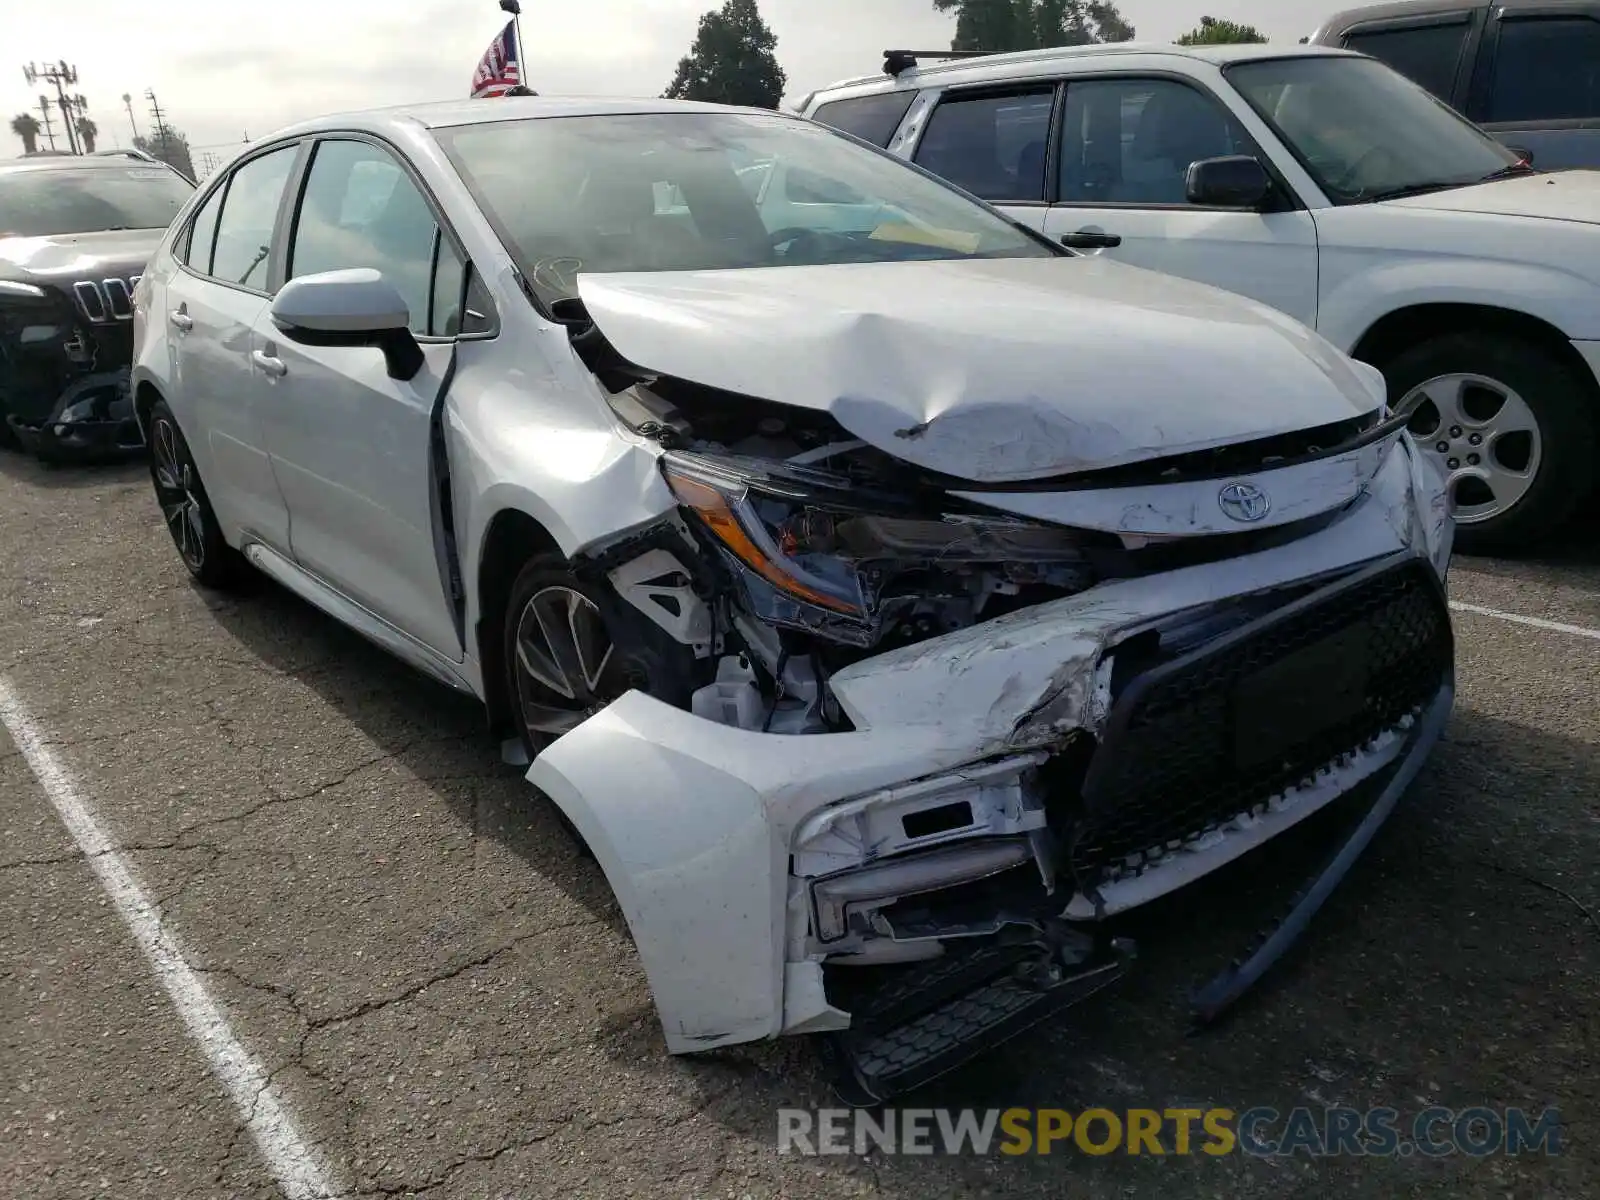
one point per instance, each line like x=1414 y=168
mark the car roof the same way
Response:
x=109 y=160
x=1340 y=21
x=1023 y=63
x=448 y=114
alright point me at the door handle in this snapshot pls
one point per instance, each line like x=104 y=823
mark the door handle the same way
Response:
x=181 y=320
x=1085 y=240
x=269 y=364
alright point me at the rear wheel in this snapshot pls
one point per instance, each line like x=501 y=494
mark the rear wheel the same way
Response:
x=1512 y=427
x=186 y=509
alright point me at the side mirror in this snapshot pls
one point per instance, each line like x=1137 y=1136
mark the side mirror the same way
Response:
x=357 y=307
x=1233 y=181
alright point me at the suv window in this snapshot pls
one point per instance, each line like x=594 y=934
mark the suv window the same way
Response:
x=993 y=146
x=1130 y=141
x=1548 y=69
x=1426 y=54
x=203 y=233
x=359 y=208
x=872 y=118
x=249 y=212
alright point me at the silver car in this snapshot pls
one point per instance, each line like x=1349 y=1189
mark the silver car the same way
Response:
x=887 y=597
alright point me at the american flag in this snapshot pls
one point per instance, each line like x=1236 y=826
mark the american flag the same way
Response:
x=500 y=69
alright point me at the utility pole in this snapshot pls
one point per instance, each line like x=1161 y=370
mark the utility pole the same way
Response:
x=61 y=75
x=161 y=132
x=127 y=103
x=44 y=119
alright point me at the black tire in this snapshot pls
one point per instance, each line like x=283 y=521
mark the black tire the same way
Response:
x=186 y=509
x=1563 y=405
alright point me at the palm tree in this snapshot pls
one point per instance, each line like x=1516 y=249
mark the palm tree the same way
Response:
x=26 y=127
x=87 y=130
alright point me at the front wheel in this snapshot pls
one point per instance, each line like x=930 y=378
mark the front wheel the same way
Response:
x=1512 y=427
x=186 y=509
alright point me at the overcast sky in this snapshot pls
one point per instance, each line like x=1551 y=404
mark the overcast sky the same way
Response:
x=222 y=68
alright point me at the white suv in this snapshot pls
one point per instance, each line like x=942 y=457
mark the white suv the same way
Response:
x=1325 y=184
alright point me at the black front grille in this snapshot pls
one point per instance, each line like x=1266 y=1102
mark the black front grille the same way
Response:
x=1195 y=742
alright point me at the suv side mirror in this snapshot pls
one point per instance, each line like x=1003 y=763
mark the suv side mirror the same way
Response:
x=356 y=307
x=1233 y=181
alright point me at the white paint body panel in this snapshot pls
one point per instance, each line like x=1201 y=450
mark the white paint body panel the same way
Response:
x=991 y=370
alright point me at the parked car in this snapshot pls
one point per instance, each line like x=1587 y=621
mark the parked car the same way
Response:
x=886 y=606
x=1326 y=185
x=74 y=235
x=1528 y=71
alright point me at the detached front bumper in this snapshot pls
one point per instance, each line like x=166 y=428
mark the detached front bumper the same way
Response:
x=1009 y=786
x=92 y=417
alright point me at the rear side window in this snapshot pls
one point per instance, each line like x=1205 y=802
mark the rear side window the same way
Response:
x=1548 y=69
x=871 y=118
x=244 y=231
x=203 y=233
x=1426 y=54
x=993 y=146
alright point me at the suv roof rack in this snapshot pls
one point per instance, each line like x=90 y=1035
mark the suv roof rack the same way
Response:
x=898 y=62
x=143 y=156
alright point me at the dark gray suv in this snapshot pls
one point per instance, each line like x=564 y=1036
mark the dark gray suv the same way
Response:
x=1528 y=71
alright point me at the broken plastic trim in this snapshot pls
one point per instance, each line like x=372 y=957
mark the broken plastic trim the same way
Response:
x=1213 y=999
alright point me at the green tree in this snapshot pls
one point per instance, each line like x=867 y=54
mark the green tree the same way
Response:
x=26 y=126
x=170 y=146
x=87 y=132
x=733 y=60
x=1214 y=31
x=1000 y=25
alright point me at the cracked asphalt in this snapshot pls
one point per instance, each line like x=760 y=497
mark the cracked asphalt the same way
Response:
x=444 y=994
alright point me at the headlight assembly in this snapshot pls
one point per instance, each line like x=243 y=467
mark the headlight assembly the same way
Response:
x=829 y=544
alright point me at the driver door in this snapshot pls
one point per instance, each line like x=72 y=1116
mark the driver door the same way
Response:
x=351 y=447
x=1125 y=146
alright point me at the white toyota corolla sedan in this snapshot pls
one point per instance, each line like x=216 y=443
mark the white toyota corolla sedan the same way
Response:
x=888 y=597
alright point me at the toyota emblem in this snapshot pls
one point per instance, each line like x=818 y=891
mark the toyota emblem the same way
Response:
x=1244 y=502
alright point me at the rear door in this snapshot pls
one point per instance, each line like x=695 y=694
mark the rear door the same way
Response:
x=1117 y=187
x=1539 y=85
x=213 y=306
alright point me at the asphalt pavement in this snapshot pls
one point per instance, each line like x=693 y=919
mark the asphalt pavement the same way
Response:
x=418 y=987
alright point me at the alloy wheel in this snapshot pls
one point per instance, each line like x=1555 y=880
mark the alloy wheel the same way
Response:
x=567 y=668
x=176 y=493
x=1484 y=436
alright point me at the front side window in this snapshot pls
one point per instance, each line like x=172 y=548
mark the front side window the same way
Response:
x=1130 y=140
x=871 y=118
x=1364 y=131
x=361 y=209
x=1425 y=54
x=675 y=192
x=993 y=146
x=249 y=213
x=1547 y=69
x=63 y=201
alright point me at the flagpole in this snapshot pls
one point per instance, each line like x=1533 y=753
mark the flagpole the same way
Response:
x=514 y=7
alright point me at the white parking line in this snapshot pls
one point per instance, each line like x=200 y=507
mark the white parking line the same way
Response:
x=1532 y=622
x=288 y=1156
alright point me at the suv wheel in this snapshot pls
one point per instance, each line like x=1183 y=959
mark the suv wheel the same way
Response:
x=1510 y=425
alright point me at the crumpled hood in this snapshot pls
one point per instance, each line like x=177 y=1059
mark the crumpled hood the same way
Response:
x=991 y=370
x=71 y=257
x=1561 y=196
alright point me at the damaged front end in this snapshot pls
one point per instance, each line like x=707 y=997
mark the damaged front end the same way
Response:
x=937 y=740
x=64 y=379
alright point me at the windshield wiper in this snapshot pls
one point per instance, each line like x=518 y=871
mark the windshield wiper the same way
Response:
x=1510 y=171
x=1415 y=189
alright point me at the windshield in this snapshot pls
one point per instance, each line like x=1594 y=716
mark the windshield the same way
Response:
x=1364 y=131
x=701 y=191
x=89 y=200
